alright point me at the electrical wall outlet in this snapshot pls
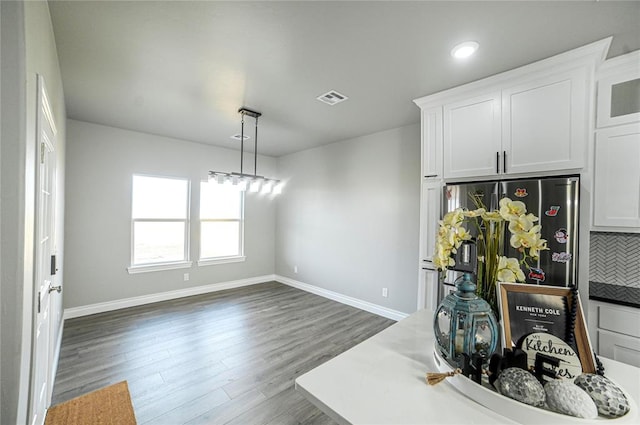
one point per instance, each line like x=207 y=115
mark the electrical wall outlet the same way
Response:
x=295 y=269
x=385 y=292
x=186 y=277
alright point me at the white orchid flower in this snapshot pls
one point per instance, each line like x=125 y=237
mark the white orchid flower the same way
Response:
x=511 y=210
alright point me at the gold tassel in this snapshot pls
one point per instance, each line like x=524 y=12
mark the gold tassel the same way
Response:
x=435 y=378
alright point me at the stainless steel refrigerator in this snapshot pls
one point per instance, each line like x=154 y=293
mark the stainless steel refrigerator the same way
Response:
x=553 y=200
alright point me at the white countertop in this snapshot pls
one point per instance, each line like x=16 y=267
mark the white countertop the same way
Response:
x=382 y=381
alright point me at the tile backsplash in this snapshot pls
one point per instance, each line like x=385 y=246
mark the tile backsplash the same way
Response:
x=615 y=258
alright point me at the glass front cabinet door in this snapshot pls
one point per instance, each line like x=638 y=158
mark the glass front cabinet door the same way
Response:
x=619 y=90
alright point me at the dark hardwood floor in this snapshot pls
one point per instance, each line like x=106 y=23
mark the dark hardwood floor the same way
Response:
x=228 y=357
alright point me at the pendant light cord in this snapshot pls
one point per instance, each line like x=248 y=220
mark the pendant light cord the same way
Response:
x=255 y=151
x=241 y=142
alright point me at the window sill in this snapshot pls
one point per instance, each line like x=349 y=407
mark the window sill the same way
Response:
x=159 y=267
x=222 y=260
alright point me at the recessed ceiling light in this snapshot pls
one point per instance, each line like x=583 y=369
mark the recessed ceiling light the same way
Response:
x=464 y=50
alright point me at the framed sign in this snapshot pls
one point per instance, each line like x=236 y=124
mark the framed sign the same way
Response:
x=539 y=309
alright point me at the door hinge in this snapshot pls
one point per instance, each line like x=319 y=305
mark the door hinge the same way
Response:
x=42 y=152
x=39 y=305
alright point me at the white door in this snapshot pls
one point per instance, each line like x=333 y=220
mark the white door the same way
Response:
x=543 y=123
x=429 y=216
x=622 y=348
x=617 y=178
x=472 y=137
x=45 y=207
x=428 y=287
x=432 y=143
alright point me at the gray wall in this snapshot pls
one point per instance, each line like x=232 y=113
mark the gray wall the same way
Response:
x=100 y=163
x=349 y=217
x=28 y=48
x=11 y=205
x=42 y=58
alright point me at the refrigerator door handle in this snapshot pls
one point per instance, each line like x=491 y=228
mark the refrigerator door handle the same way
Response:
x=495 y=201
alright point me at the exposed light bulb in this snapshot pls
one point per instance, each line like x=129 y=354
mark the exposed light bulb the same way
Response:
x=255 y=186
x=278 y=188
x=267 y=187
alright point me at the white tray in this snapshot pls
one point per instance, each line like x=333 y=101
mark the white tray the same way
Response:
x=521 y=412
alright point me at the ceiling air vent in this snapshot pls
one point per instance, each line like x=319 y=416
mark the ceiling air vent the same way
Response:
x=332 y=97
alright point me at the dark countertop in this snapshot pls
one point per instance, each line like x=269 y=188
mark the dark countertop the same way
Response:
x=615 y=294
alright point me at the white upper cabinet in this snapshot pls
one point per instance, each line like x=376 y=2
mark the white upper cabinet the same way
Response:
x=533 y=126
x=544 y=124
x=527 y=121
x=619 y=91
x=616 y=181
x=432 y=143
x=617 y=178
x=472 y=139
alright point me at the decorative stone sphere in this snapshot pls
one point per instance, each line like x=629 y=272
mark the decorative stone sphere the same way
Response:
x=608 y=397
x=563 y=396
x=520 y=385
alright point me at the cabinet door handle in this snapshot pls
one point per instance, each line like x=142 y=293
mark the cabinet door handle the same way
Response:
x=504 y=161
x=497 y=162
x=430 y=175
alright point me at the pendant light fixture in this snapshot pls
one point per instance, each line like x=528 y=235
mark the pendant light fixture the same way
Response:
x=246 y=181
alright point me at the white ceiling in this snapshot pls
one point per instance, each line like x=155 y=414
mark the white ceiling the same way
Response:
x=182 y=69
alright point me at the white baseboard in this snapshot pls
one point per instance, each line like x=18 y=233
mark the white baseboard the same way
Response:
x=87 y=310
x=344 y=299
x=70 y=313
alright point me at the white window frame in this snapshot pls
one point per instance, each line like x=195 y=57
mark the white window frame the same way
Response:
x=209 y=261
x=168 y=265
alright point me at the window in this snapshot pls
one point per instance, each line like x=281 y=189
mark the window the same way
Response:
x=221 y=223
x=159 y=223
